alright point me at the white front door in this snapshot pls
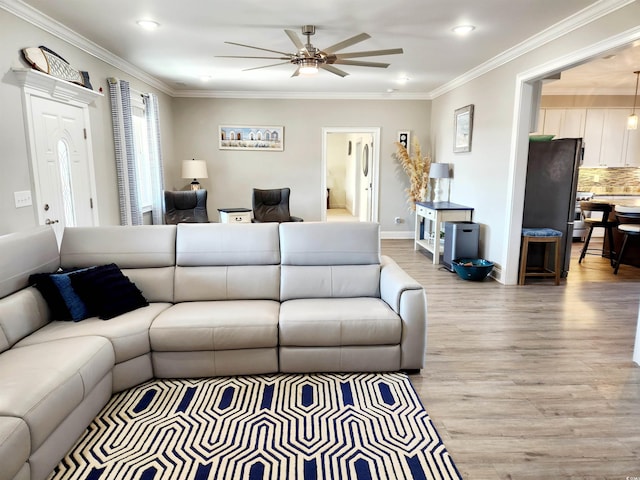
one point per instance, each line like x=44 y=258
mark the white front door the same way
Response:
x=62 y=170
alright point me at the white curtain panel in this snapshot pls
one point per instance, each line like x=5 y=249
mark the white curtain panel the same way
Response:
x=130 y=211
x=155 y=157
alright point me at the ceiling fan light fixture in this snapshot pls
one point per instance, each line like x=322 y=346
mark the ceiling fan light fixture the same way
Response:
x=308 y=66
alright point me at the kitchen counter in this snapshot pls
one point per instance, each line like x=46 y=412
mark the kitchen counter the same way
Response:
x=625 y=200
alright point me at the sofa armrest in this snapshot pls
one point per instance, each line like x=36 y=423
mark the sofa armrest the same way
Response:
x=408 y=299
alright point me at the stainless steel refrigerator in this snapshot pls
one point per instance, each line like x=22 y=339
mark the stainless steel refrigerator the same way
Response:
x=550 y=192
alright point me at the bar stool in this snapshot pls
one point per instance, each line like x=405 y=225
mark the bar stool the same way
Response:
x=551 y=238
x=587 y=209
x=629 y=218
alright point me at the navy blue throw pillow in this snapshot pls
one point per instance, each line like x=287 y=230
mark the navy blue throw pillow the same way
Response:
x=60 y=296
x=106 y=291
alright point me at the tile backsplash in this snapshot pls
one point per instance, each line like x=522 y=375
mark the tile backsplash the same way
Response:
x=610 y=181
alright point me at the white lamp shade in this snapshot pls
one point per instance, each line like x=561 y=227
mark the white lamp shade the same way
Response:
x=439 y=170
x=632 y=122
x=194 y=169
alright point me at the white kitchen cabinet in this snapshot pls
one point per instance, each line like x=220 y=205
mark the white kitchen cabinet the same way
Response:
x=564 y=122
x=612 y=152
x=592 y=139
x=606 y=140
x=632 y=157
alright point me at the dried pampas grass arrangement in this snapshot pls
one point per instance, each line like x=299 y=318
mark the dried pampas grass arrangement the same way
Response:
x=417 y=168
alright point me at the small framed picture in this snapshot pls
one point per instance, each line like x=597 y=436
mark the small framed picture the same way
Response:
x=462 y=129
x=404 y=139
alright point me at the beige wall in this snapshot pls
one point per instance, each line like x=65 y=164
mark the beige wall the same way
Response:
x=586 y=101
x=491 y=177
x=233 y=174
x=14 y=162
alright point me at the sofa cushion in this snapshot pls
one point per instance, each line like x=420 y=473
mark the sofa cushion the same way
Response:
x=223 y=244
x=106 y=291
x=128 y=333
x=321 y=243
x=44 y=383
x=326 y=322
x=236 y=282
x=22 y=313
x=143 y=246
x=24 y=253
x=226 y=325
x=328 y=281
x=15 y=446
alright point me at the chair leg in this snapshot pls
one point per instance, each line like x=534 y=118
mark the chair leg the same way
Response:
x=586 y=245
x=612 y=248
x=624 y=245
x=523 y=260
x=557 y=260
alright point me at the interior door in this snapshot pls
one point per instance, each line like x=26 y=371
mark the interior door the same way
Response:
x=62 y=177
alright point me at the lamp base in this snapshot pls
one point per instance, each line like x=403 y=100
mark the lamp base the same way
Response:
x=195 y=185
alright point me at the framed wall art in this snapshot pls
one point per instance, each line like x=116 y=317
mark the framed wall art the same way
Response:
x=237 y=137
x=462 y=129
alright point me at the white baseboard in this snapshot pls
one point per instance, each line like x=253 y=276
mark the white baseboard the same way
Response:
x=397 y=235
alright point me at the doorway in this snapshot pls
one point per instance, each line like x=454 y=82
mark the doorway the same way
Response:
x=527 y=95
x=350 y=162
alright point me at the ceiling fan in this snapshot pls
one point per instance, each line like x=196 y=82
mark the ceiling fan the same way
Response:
x=309 y=59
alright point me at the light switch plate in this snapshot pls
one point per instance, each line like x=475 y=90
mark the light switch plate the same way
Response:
x=22 y=198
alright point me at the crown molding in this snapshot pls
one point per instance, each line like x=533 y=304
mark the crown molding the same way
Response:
x=299 y=95
x=578 y=20
x=52 y=26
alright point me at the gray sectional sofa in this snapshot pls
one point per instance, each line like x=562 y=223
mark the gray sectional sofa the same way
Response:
x=224 y=299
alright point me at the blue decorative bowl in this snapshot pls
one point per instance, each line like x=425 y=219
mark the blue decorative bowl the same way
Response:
x=472 y=268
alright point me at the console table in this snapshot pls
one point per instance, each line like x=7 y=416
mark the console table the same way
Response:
x=429 y=219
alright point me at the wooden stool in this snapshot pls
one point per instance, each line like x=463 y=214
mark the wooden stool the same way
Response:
x=551 y=238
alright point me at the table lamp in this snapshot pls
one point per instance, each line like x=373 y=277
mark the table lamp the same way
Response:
x=439 y=171
x=194 y=169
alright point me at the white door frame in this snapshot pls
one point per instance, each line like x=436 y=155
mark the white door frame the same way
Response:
x=524 y=96
x=36 y=84
x=374 y=166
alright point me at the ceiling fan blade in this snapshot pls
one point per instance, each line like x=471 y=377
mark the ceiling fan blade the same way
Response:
x=259 y=48
x=347 y=43
x=361 y=64
x=239 y=56
x=266 y=66
x=332 y=69
x=293 y=36
x=370 y=53
x=296 y=73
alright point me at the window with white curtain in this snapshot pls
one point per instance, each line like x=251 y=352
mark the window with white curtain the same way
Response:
x=141 y=152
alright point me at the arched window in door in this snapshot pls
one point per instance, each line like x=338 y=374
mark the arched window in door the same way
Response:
x=66 y=186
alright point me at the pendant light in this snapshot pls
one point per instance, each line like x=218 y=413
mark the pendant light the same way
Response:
x=632 y=121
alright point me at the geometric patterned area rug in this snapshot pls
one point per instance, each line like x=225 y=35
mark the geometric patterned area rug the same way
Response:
x=282 y=426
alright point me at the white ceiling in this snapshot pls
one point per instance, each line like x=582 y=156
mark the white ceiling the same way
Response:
x=192 y=33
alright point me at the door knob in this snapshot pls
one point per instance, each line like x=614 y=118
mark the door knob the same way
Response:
x=48 y=221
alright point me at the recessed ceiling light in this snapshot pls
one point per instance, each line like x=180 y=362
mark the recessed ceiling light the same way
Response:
x=206 y=78
x=148 y=24
x=403 y=80
x=463 y=29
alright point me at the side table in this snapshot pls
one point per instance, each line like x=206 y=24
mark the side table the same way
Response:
x=235 y=215
x=429 y=219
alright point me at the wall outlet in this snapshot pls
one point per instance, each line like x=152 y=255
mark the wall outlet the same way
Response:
x=398 y=220
x=22 y=199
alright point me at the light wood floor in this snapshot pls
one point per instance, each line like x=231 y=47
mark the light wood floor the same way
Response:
x=535 y=381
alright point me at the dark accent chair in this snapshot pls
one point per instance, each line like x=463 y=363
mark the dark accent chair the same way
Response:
x=188 y=206
x=272 y=206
